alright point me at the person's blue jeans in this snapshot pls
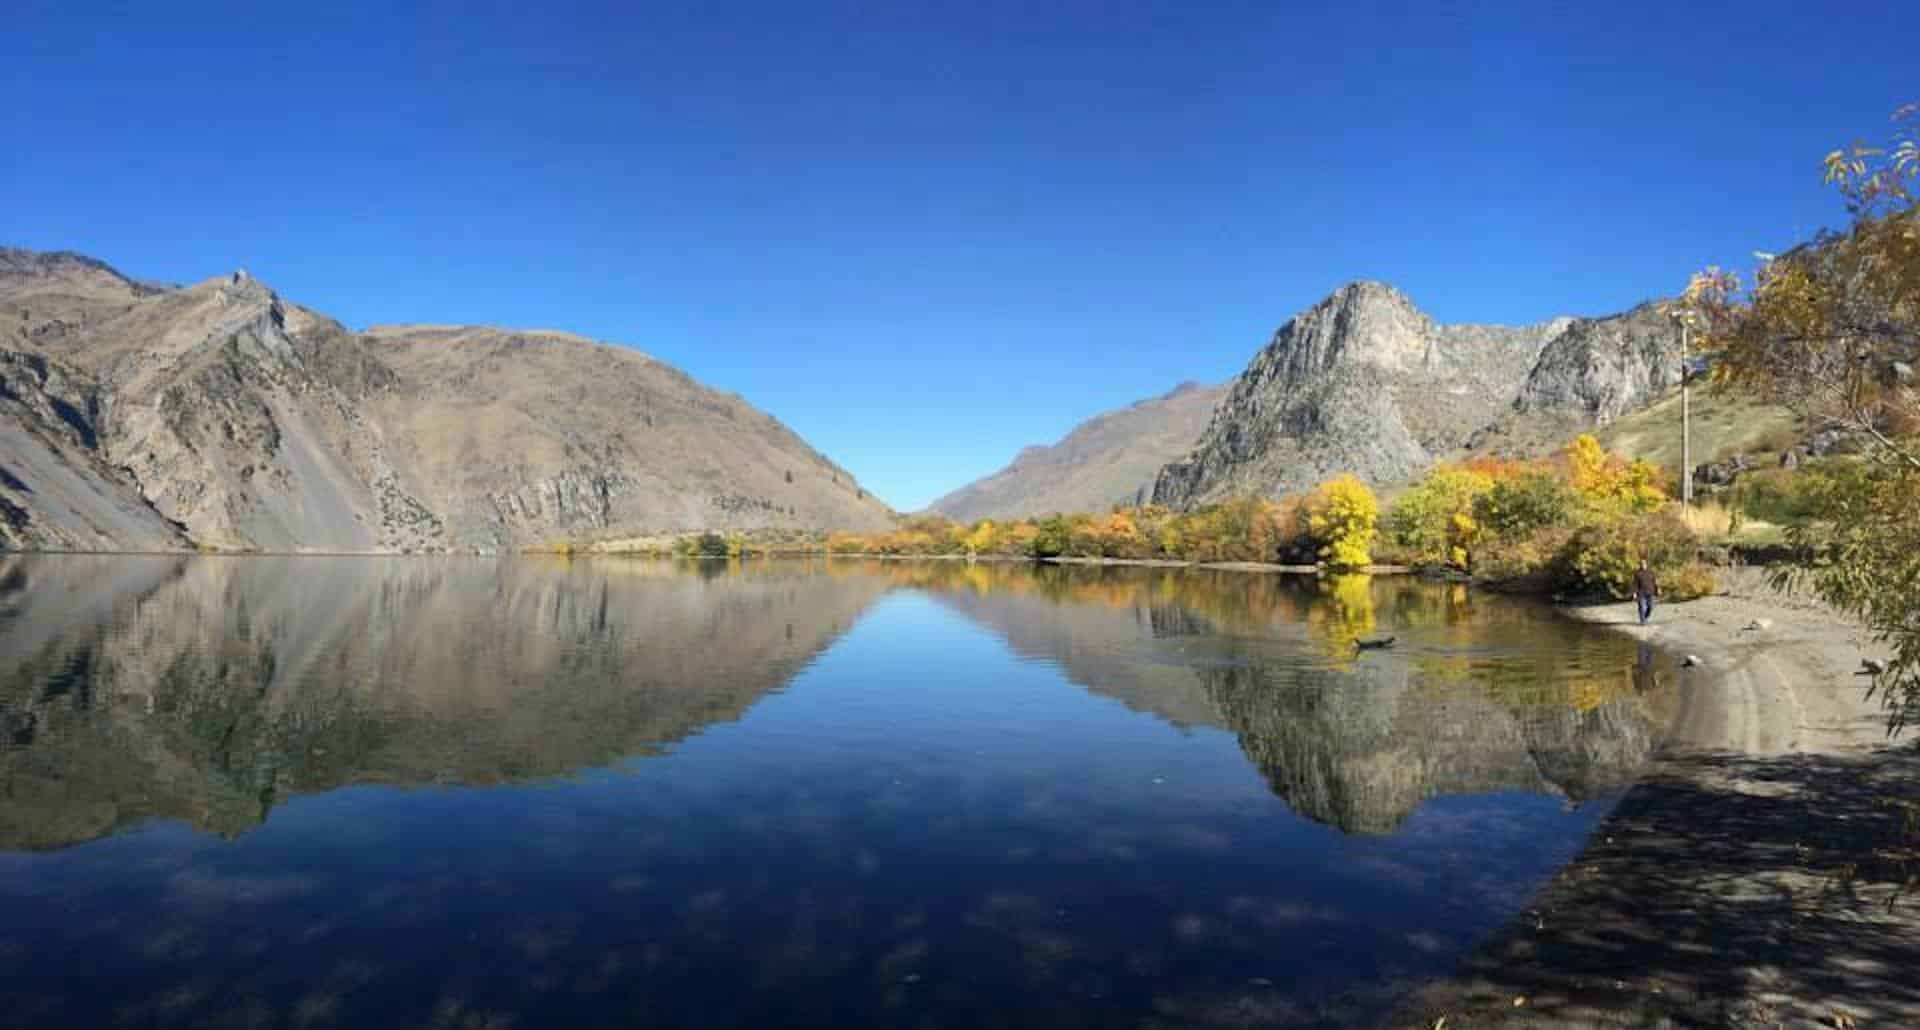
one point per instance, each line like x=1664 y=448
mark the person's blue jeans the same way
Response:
x=1646 y=608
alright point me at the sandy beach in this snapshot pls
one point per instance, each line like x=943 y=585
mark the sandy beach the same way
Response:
x=1754 y=878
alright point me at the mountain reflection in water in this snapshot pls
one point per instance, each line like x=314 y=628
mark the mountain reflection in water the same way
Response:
x=986 y=794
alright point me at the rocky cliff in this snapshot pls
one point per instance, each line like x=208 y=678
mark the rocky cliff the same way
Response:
x=1364 y=382
x=56 y=489
x=1110 y=458
x=220 y=415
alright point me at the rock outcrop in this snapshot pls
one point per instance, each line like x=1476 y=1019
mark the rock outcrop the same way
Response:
x=57 y=491
x=1364 y=382
x=1108 y=459
x=1603 y=368
x=220 y=415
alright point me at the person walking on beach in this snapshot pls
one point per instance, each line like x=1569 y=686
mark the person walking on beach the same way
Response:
x=1645 y=589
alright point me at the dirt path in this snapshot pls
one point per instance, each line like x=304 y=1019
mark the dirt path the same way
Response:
x=1751 y=880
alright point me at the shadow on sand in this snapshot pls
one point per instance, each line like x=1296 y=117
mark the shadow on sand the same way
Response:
x=1723 y=891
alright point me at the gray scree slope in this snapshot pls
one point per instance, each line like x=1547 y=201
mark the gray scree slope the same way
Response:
x=139 y=417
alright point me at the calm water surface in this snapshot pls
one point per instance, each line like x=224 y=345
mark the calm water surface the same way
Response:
x=467 y=793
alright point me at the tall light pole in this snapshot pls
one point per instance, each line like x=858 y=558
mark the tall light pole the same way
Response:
x=1686 y=422
x=1684 y=317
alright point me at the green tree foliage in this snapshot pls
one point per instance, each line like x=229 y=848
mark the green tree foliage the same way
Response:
x=1435 y=522
x=711 y=545
x=1779 y=496
x=1832 y=330
x=1602 y=555
x=1580 y=523
x=1863 y=556
x=1521 y=504
x=1051 y=538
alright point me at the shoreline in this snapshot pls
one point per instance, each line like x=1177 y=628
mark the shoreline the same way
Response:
x=1748 y=878
x=1004 y=559
x=1745 y=880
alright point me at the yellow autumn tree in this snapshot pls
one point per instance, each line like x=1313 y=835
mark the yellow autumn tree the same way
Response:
x=1341 y=515
x=841 y=542
x=1120 y=537
x=1168 y=540
x=980 y=538
x=1598 y=476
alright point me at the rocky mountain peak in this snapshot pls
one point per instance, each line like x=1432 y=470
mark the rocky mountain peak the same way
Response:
x=1364 y=321
x=1365 y=382
x=1360 y=293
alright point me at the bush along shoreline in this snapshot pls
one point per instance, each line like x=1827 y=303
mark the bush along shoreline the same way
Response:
x=1572 y=526
x=1576 y=525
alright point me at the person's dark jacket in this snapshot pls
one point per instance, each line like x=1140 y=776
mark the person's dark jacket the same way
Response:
x=1644 y=585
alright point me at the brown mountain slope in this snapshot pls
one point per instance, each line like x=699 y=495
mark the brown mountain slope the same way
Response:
x=251 y=423
x=544 y=432
x=1109 y=458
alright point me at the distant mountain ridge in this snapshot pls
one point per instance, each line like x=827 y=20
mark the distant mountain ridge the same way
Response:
x=138 y=416
x=142 y=417
x=1108 y=459
x=1361 y=382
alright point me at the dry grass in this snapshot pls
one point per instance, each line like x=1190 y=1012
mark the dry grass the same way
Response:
x=1722 y=427
x=1711 y=519
x=1715 y=521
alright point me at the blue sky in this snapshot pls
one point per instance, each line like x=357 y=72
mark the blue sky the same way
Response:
x=925 y=235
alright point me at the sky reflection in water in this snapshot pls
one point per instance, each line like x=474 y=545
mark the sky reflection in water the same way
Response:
x=466 y=793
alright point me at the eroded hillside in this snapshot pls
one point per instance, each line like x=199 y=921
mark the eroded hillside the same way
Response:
x=220 y=415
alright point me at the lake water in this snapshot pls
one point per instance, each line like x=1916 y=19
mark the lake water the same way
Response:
x=539 y=792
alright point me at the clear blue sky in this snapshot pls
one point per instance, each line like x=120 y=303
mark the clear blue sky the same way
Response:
x=926 y=234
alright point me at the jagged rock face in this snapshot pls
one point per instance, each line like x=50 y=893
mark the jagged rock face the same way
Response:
x=241 y=421
x=56 y=490
x=1108 y=459
x=233 y=423
x=1363 y=382
x=1605 y=367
